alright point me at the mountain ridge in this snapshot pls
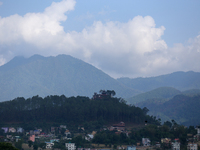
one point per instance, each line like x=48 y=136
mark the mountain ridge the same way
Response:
x=63 y=74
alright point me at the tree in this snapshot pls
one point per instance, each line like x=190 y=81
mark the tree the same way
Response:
x=19 y=144
x=7 y=146
x=35 y=146
x=30 y=143
x=145 y=110
x=42 y=145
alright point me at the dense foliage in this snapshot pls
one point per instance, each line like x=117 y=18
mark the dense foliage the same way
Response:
x=74 y=110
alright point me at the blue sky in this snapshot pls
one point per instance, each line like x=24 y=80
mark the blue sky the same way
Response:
x=122 y=38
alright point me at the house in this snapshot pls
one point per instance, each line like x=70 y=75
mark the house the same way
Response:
x=17 y=138
x=89 y=137
x=11 y=129
x=49 y=145
x=32 y=138
x=165 y=140
x=5 y=129
x=70 y=146
x=132 y=147
x=36 y=132
x=146 y=141
x=31 y=132
x=192 y=146
x=20 y=130
x=63 y=126
x=198 y=130
x=119 y=127
x=176 y=145
x=54 y=140
x=84 y=149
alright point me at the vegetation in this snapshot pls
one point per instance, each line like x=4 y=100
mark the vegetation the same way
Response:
x=73 y=110
x=7 y=146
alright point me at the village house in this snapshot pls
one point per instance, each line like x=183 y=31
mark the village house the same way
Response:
x=132 y=147
x=32 y=138
x=119 y=127
x=70 y=146
x=5 y=129
x=192 y=146
x=89 y=137
x=49 y=145
x=20 y=130
x=11 y=129
x=146 y=141
x=176 y=145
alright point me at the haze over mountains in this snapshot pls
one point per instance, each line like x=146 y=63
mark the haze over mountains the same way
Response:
x=63 y=74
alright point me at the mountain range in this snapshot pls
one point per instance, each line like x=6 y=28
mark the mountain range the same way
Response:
x=64 y=74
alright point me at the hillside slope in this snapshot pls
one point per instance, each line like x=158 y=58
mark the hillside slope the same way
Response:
x=58 y=75
x=159 y=93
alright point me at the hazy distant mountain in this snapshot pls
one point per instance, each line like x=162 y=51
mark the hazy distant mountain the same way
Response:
x=59 y=75
x=179 y=80
x=159 y=93
x=183 y=107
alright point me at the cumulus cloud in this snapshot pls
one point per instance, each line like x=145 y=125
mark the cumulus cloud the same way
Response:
x=134 y=48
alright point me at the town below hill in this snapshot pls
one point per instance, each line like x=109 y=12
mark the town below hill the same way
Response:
x=170 y=135
x=100 y=122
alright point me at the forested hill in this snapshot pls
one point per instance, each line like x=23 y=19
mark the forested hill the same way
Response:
x=75 y=110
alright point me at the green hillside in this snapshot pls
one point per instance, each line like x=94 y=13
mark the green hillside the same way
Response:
x=71 y=110
x=159 y=93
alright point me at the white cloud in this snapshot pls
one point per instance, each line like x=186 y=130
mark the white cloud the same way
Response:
x=134 y=48
x=1 y=3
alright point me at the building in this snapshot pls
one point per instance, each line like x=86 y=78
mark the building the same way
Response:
x=146 y=142
x=175 y=145
x=49 y=145
x=89 y=137
x=13 y=130
x=119 y=127
x=70 y=146
x=20 y=130
x=192 y=146
x=32 y=138
x=5 y=129
x=132 y=147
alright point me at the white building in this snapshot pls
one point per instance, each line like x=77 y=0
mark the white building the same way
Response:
x=49 y=145
x=175 y=146
x=192 y=146
x=146 y=141
x=70 y=146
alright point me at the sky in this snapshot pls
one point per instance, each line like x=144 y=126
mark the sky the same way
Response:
x=129 y=38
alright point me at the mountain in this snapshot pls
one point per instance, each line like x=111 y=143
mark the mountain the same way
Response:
x=63 y=74
x=183 y=109
x=159 y=93
x=180 y=80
